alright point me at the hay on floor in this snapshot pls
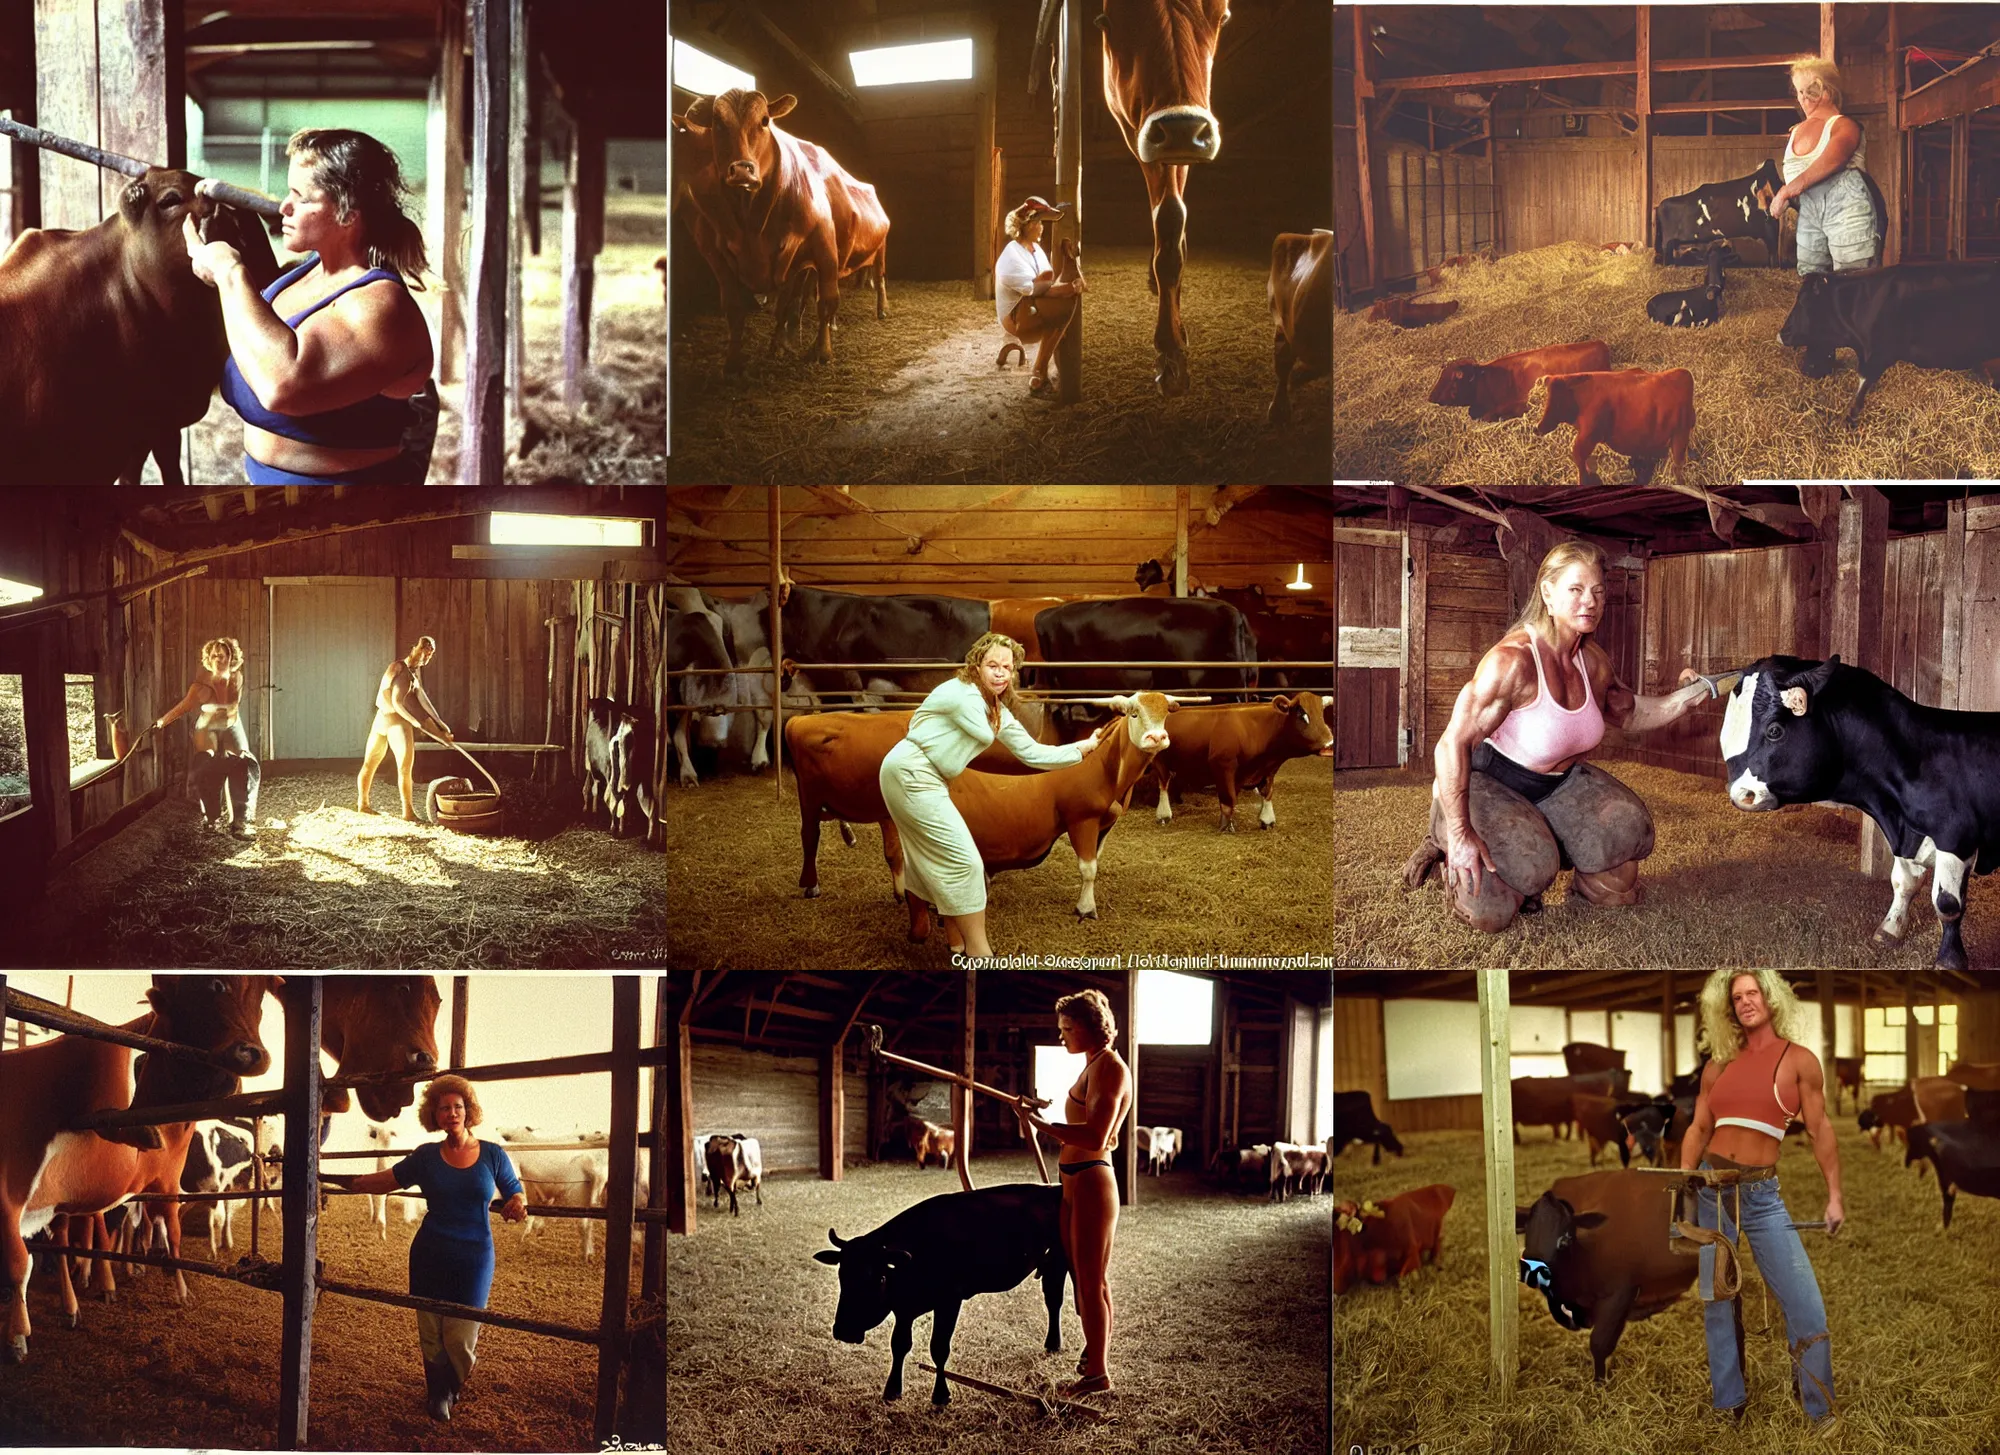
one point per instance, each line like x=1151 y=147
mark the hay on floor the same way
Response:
x=1756 y=415
x=1722 y=887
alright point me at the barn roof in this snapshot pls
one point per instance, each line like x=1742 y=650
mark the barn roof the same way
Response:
x=1640 y=989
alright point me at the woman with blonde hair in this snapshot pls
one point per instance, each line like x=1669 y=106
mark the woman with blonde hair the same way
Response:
x=1033 y=304
x=1088 y=1133
x=219 y=758
x=1824 y=166
x=1515 y=801
x=451 y=1257
x=960 y=719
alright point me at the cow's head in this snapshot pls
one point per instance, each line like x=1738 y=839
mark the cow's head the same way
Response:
x=1458 y=382
x=1779 y=742
x=383 y=1024
x=1645 y=1124
x=1145 y=719
x=1305 y=719
x=1560 y=407
x=1765 y=181
x=219 y=1014
x=867 y=1271
x=1812 y=324
x=1549 y=1227
x=152 y=207
x=743 y=148
x=1157 y=58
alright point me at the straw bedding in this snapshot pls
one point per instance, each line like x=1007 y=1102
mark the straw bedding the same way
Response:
x=323 y=887
x=1756 y=415
x=1908 y=1307
x=1722 y=887
x=1219 y=1336
x=917 y=396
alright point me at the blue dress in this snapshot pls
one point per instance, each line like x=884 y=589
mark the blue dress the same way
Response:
x=452 y=1255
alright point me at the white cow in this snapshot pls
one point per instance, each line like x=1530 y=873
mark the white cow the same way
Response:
x=567 y=1178
x=352 y=1132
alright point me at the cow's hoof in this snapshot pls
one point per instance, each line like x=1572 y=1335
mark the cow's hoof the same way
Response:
x=809 y=891
x=76 y=1319
x=1262 y=825
x=941 y=1399
x=1229 y=826
x=889 y=1396
x=1092 y=914
x=1884 y=938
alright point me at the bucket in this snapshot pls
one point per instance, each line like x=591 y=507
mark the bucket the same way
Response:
x=456 y=804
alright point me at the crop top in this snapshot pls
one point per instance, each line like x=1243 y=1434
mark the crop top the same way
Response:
x=1545 y=732
x=373 y=423
x=1743 y=1096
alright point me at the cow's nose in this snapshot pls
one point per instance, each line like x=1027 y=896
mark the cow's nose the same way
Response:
x=1180 y=134
x=246 y=1055
x=423 y=1061
x=1153 y=741
x=742 y=174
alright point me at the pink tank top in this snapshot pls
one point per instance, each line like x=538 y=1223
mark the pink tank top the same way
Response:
x=1545 y=732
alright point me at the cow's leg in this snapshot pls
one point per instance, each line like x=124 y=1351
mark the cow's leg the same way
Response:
x=736 y=307
x=1083 y=838
x=1906 y=876
x=1163 y=191
x=1279 y=410
x=943 y=1321
x=808 y=848
x=829 y=300
x=1608 y=1322
x=1948 y=897
x=1950 y=1196
x=1267 y=816
x=1861 y=393
x=1580 y=452
x=1055 y=1269
x=760 y=756
x=1164 y=812
x=892 y=854
x=59 y=1239
x=899 y=1345
x=173 y=1236
x=16 y=1263
x=102 y=1279
x=1225 y=791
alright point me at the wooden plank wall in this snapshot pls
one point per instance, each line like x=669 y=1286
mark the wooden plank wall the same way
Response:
x=1263 y=1044
x=772 y=1098
x=1467 y=612
x=1979 y=1025
x=1432 y=1114
x=1571 y=188
x=1369 y=583
x=1433 y=206
x=854 y=1087
x=1173 y=1092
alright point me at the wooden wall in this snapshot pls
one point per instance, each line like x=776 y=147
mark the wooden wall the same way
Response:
x=1368 y=584
x=618 y=648
x=1466 y=611
x=1433 y=207
x=772 y=1098
x=1174 y=1091
x=1555 y=190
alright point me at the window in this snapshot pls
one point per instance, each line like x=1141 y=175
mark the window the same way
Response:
x=13 y=747
x=898 y=65
x=13 y=593
x=514 y=529
x=80 y=697
x=1175 y=1010
x=703 y=74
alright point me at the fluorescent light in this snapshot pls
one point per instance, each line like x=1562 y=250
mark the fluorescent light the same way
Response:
x=896 y=65
x=704 y=75
x=516 y=529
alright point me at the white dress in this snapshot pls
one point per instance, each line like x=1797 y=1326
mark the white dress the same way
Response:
x=941 y=863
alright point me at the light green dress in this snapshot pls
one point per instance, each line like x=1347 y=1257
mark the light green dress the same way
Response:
x=940 y=861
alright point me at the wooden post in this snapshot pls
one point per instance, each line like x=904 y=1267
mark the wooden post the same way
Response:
x=1826 y=30
x=1416 y=636
x=300 y=1277
x=517 y=210
x=1074 y=75
x=1856 y=617
x=583 y=211
x=444 y=188
x=984 y=107
x=481 y=454
x=1496 y=1036
x=1128 y=1138
x=833 y=1109
x=461 y=996
x=1959 y=204
x=1669 y=1023
x=679 y=1076
x=653 y=1259
x=1645 y=108
x=618 y=1200
x=1910 y=1068
x=1953 y=625
x=1892 y=246
x=777 y=636
x=969 y=1025
x=1829 y=1017
x=1181 y=539
x=1219 y=1047
x=1362 y=91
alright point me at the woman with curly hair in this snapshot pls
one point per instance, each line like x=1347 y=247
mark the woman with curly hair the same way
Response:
x=451 y=1257
x=1758 y=1081
x=958 y=721
x=220 y=753
x=1089 y=1134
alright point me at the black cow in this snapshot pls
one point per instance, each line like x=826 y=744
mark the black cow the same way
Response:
x=1800 y=731
x=1965 y=1153
x=1737 y=208
x=1354 y=1120
x=1282 y=637
x=931 y=1258
x=1648 y=1124
x=618 y=759
x=1982 y=1106
x=833 y=626
x=1147 y=629
x=1691 y=307
x=1933 y=315
x=694 y=642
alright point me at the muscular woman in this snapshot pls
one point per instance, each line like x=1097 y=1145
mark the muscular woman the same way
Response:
x=401 y=708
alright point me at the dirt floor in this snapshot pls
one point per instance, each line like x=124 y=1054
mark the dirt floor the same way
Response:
x=1219 y=1339
x=325 y=888
x=1722 y=887
x=144 y=1371
x=917 y=397
x=1184 y=888
x=1413 y=1361
x=618 y=438
x=1756 y=415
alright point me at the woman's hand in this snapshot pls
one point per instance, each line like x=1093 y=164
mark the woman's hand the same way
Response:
x=1780 y=200
x=210 y=260
x=1465 y=853
x=1025 y=1108
x=516 y=1210
x=1835 y=1214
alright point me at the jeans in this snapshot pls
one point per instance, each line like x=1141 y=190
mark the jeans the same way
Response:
x=229 y=765
x=1836 y=224
x=1788 y=1273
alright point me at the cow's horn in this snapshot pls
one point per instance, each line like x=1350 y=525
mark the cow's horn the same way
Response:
x=1181 y=701
x=835 y=1239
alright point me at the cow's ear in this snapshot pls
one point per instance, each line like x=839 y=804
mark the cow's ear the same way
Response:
x=1591 y=1220
x=826 y=1255
x=700 y=116
x=1283 y=704
x=781 y=106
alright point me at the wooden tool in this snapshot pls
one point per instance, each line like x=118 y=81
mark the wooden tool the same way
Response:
x=1049 y=1404
x=1034 y=1142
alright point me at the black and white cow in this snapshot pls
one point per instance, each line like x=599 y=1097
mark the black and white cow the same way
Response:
x=1966 y=1154
x=1691 y=307
x=618 y=757
x=218 y=1160
x=694 y=640
x=1736 y=208
x=1800 y=731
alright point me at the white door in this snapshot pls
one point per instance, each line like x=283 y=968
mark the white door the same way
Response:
x=330 y=641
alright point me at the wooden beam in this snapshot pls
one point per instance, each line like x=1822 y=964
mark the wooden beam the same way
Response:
x=1073 y=69
x=1496 y=1123
x=985 y=107
x=582 y=226
x=1960 y=191
x=481 y=448
x=842 y=97
x=1663 y=67
x=303 y=996
x=1892 y=246
x=615 y=1306
x=969 y=1024
x=678 y=1072
x=832 y=1111
x=1696 y=108
x=461 y=998
x=1856 y=617
x=1463 y=80
x=445 y=188
x=1127 y=1153
x=1362 y=91
x=1972 y=87
x=1826 y=39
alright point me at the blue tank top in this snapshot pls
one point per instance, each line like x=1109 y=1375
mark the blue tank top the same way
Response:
x=373 y=423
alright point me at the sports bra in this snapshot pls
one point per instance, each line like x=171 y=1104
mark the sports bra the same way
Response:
x=1545 y=732
x=376 y=422
x=1746 y=1097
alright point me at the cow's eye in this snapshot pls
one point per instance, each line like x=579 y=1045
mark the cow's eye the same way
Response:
x=170 y=199
x=217 y=986
x=767 y=123
x=1774 y=732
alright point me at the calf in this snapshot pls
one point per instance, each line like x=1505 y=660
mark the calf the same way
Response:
x=1158 y=1146
x=219 y=1160
x=1381 y=1243
x=1601 y=1118
x=1300 y=292
x=1233 y=748
x=1736 y=208
x=734 y=1162
x=1499 y=388
x=934 y=1256
x=1691 y=307
x=1631 y=411
x=925 y=1139
x=1405 y=314
x=1965 y=1153
x=1933 y=315
x=1896 y=1110
x=559 y=1178
x=1244 y=1168
x=618 y=762
x=1354 y=1120
x=1595 y=1250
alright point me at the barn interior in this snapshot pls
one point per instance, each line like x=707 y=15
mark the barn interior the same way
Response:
x=1220 y=1341
x=738 y=828
x=544 y=605
x=1426 y=1362
x=541 y=265
x=1428 y=580
x=1541 y=137
x=917 y=396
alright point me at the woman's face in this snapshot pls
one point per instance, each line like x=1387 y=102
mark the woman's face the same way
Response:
x=217 y=664
x=1746 y=999
x=1807 y=91
x=1071 y=1035
x=1032 y=233
x=309 y=218
x=1576 y=597
x=451 y=1112
x=996 y=670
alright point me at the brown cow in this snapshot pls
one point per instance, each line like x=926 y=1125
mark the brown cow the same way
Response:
x=1381 y=1243
x=1239 y=748
x=1584 y=1057
x=1846 y=1074
x=109 y=344
x=1938 y=1099
x=1157 y=58
x=1543 y=1101
x=1300 y=292
x=1893 y=1109
x=1598 y=1116
x=1631 y=411
x=1978 y=1075
x=925 y=1138
x=1405 y=314
x=776 y=204
x=1499 y=388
